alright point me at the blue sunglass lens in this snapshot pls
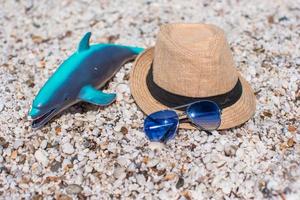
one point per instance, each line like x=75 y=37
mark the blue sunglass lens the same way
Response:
x=161 y=126
x=205 y=114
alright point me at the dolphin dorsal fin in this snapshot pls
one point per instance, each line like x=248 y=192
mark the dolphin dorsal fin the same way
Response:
x=84 y=43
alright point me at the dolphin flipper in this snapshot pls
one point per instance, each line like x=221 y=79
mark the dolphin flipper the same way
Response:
x=90 y=94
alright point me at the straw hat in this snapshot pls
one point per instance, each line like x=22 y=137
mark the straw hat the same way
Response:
x=191 y=62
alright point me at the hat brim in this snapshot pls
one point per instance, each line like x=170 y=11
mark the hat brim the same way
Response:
x=232 y=116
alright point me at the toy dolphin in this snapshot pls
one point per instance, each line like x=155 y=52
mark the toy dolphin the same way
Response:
x=79 y=77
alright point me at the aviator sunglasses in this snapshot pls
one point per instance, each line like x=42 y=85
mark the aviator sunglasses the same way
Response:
x=162 y=126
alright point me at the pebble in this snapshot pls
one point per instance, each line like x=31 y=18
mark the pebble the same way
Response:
x=131 y=167
x=141 y=179
x=230 y=150
x=41 y=156
x=37 y=197
x=1 y=105
x=240 y=153
x=68 y=148
x=156 y=146
x=124 y=130
x=92 y=155
x=90 y=144
x=112 y=147
x=297 y=61
x=88 y=169
x=17 y=144
x=180 y=182
x=3 y=142
x=290 y=142
x=123 y=161
x=119 y=173
x=14 y=154
x=43 y=144
x=123 y=88
x=164 y=194
x=90 y=117
x=118 y=127
x=64 y=197
x=55 y=166
x=73 y=189
x=153 y=162
x=226 y=187
x=86 y=143
x=170 y=176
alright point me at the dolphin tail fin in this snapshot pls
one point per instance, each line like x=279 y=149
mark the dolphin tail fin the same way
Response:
x=133 y=49
x=136 y=50
x=90 y=94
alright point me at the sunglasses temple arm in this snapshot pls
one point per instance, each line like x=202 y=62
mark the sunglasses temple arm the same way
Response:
x=182 y=106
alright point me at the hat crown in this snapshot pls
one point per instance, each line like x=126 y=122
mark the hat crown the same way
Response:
x=193 y=60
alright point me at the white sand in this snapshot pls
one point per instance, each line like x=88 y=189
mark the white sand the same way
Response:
x=103 y=153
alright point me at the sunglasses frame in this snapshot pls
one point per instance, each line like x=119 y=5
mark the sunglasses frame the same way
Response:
x=165 y=135
x=184 y=113
x=198 y=126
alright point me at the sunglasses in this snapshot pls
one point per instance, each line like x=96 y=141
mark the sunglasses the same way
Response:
x=162 y=126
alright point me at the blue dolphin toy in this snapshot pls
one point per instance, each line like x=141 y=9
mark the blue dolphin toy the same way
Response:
x=79 y=77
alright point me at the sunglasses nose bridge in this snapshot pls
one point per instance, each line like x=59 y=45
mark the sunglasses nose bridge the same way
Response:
x=181 y=115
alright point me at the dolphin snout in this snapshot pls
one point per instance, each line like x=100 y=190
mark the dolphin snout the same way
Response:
x=34 y=112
